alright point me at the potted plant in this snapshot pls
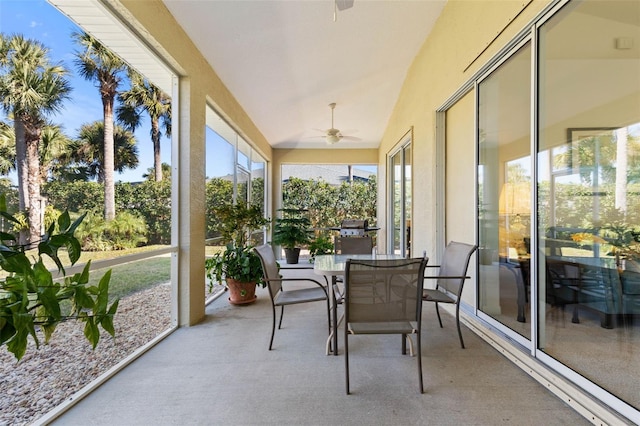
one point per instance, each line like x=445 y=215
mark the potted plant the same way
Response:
x=237 y=264
x=291 y=231
x=321 y=245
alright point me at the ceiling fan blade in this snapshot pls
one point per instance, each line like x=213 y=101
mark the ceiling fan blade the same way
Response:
x=351 y=138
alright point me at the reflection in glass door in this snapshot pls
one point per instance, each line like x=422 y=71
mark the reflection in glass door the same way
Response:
x=504 y=191
x=400 y=191
x=588 y=180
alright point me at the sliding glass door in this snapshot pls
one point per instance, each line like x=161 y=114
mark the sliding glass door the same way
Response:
x=399 y=236
x=504 y=192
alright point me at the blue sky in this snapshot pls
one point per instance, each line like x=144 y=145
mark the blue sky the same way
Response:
x=37 y=19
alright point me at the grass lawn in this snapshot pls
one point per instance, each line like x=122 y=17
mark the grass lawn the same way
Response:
x=126 y=278
x=135 y=276
x=129 y=277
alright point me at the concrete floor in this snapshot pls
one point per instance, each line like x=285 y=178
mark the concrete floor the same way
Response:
x=220 y=372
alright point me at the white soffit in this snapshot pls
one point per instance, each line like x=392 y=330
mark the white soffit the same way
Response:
x=95 y=19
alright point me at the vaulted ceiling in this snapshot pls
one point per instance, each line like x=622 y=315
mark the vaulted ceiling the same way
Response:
x=286 y=61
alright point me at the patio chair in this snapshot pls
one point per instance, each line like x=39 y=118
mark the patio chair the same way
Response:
x=281 y=297
x=384 y=296
x=450 y=279
x=347 y=245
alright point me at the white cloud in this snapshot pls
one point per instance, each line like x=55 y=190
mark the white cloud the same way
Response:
x=34 y=24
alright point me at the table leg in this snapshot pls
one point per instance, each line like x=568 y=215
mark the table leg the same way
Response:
x=335 y=316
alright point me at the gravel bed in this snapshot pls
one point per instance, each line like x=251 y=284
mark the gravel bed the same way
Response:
x=45 y=377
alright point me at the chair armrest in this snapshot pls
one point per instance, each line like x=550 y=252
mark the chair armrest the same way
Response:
x=304 y=268
x=318 y=283
x=447 y=277
x=297 y=267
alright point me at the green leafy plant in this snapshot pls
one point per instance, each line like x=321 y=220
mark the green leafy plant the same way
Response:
x=293 y=229
x=237 y=260
x=320 y=245
x=239 y=263
x=29 y=296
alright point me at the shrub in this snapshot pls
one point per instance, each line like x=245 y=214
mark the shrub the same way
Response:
x=125 y=231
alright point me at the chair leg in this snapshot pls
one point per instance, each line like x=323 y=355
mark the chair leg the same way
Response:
x=328 y=316
x=281 y=315
x=458 y=325
x=346 y=359
x=273 y=325
x=334 y=320
x=438 y=312
x=420 y=362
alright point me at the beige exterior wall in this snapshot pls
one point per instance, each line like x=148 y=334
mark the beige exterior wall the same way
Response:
x=465 y=37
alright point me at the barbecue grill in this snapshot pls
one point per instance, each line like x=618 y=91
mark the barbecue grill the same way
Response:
x=354 y=228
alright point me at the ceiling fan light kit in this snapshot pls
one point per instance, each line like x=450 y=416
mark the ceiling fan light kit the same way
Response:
x=331 y=139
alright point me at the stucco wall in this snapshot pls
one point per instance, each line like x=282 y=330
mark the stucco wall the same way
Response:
x=465 y=37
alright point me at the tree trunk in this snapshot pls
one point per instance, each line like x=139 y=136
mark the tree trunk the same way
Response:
x=32 y=139
x=155 y=137
x=21 y=165
x=22 y=172
x=109 y=154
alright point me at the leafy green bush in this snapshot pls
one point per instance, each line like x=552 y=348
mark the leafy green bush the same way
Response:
x=11 y=194
x=320 y=245
x=152 y=201
x=75 y=196
x=125 y=231
x=218 y=192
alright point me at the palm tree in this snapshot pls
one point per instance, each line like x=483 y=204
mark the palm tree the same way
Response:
x=98 y=63
x=88 y=150
x=145 y=96
x=166 y=172
x=7 y=148
x=55 y=147
x=31 y=88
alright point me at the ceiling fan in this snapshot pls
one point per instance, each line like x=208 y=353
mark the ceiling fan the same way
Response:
x=333 y=135
x=340 y=5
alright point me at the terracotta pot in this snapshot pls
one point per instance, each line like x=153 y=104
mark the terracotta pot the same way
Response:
x=241 y=293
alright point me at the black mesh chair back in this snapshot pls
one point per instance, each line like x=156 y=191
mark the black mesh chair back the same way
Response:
x=384 y=296
x=450 y=279
x=281 y=297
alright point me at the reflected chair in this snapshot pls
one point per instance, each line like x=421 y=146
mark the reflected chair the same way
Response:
x=450 y=279
x=562 y=285
x=630 y=295
x=281 y=297
x=384 y=296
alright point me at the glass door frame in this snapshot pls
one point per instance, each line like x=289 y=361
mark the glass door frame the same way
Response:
x=404 y=149
x=525 y=342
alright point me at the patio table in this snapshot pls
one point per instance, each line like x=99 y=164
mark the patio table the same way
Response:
x=330 y=266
